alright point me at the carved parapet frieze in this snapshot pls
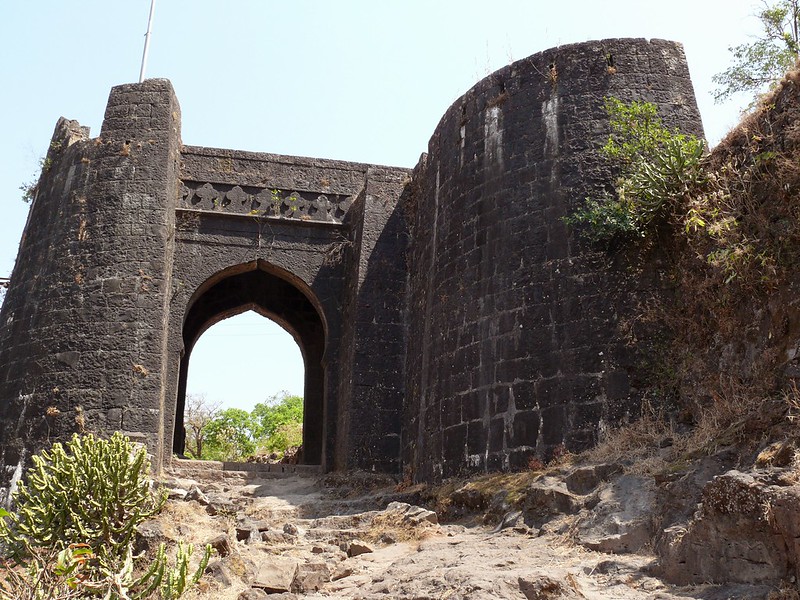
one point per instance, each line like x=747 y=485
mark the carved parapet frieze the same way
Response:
x=266 y=202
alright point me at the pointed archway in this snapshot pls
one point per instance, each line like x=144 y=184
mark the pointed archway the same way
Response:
x=272 y=293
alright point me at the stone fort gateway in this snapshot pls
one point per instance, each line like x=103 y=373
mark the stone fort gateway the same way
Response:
x=449 y=320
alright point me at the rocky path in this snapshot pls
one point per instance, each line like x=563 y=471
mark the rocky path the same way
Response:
x=303 y=536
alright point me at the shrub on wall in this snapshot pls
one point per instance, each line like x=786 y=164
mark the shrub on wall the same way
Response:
x=658 y=168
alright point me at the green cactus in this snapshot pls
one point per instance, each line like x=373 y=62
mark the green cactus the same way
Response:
x=73 y=530
x=94 y=491
x=159 y=580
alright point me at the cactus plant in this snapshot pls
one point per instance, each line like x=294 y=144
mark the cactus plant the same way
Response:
x=73 y=531
x=91 y=490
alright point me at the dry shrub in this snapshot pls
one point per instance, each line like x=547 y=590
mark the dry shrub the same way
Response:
x=786 y=592
x=735 y=418
x=637 y=443
x=740 y=415
x=749 y=204
x=392 y=526
x=731 y=316
x=514 y=484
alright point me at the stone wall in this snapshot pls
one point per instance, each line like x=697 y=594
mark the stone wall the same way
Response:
x=373 y=375
x=303 y=222
x=83 y=321
x=516 y=345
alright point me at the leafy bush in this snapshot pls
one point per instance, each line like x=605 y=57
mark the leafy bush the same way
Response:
x=288 y=435
x=277 y=412
x=73 y=531
x=607 y=218
x=658 y=168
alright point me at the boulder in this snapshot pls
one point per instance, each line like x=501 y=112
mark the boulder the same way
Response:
x=239 y=566
x=197 y=495
x=222 y=544
x=547 y=497
x=622 y=520
x=585 y=479
x=253 y=594
x=311 y=577
x=216 y=570
x=219 y=504
x=746 y=531
x=542 y=587
x=277 y=538
x=149 y=535
x=247 y=534
x=413 y=515
x=275 y=575
x=357 y=547
x=341 y=572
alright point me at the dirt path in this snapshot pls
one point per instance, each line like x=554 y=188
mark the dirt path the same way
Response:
x=293 y=537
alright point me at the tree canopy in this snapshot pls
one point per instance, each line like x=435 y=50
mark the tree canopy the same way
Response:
x=234 y=434
x=762 y=62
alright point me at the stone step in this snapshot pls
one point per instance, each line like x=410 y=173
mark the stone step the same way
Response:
x=214 y=470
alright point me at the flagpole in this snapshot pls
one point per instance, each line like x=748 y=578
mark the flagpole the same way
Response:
x=147 y=39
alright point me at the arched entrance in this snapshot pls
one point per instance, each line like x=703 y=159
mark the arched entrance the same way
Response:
x=273 y=293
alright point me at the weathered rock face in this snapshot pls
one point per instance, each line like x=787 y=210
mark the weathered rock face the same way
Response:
x=319 y=540
x=746 y=530
x=622 y=520
x=448 y=319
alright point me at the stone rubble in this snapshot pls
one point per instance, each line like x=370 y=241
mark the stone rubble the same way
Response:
x=586 y=532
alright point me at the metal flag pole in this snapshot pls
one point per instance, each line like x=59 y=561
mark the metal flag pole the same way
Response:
x=147 y=39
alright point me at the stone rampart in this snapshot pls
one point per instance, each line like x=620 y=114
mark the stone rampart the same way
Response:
x=516 y=328
x=448 y=319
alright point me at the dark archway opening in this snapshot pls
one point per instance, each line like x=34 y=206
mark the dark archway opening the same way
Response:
x=279 y=300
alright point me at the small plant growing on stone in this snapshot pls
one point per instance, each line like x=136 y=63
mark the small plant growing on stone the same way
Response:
x=658 y=167
x=30 y=188
x=275 y=198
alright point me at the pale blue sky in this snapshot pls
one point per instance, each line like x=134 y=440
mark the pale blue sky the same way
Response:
x=360 y=80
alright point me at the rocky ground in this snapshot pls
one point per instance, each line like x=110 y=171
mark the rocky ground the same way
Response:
x=590 y=531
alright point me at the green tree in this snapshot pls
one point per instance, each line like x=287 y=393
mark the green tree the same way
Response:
x=279 y=422
x=288 y=435
x=230 y=436
x=763 y=61
x=234 y=434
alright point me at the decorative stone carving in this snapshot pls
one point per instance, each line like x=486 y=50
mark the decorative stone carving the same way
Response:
x=265 y=202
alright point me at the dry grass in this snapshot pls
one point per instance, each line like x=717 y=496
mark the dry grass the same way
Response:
x=732 y=318
x=389 y=525
x=737 y=417
x=749 y=202
x=787 y=592
x=637 y=443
